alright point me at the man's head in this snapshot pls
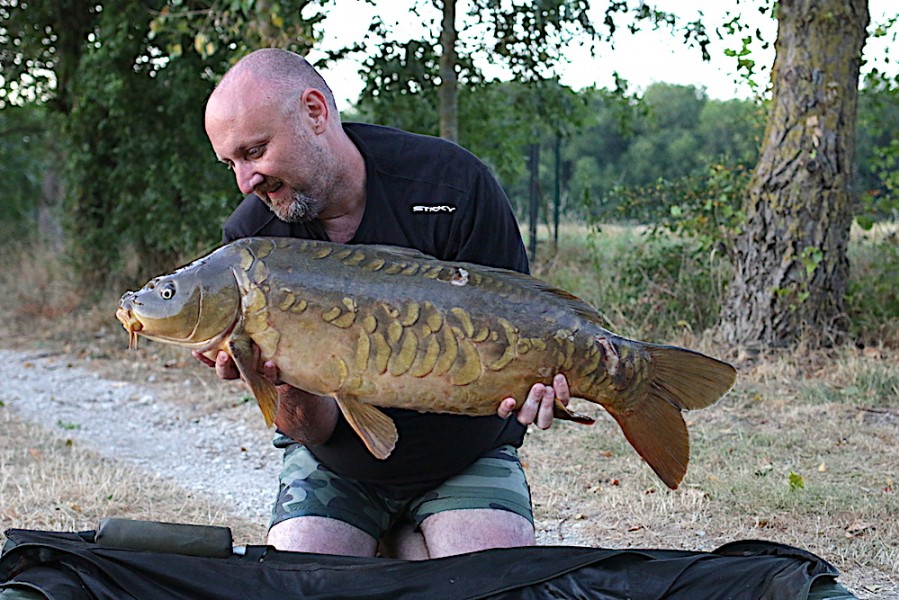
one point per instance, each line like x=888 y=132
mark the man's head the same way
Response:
x=271 y=119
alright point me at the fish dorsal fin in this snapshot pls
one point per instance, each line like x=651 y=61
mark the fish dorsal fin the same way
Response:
x=240 y=347
x=376 y=429
x=399 y=251
x=538 y=287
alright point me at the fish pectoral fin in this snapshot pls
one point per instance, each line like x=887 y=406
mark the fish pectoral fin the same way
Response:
x=265 y=392
x=560 y=411
x=377 y=430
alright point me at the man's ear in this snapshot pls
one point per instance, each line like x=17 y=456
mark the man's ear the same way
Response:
x=316 y=108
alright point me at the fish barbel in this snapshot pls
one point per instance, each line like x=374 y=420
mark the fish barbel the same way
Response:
x=379 y=326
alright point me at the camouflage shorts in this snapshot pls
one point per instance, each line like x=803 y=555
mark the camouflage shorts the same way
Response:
x=308 y=488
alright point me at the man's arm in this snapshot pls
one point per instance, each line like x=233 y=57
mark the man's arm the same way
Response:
x=304 y=417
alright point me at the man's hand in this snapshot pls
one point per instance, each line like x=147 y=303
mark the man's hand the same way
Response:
x=538 y=407
x=224 y=366
x=226 y=369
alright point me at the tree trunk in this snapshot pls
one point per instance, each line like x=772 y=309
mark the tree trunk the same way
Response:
x=791 y=263
x=449 y=120
x=49 y=225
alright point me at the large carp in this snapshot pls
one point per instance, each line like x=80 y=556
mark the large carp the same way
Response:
x=382 y=326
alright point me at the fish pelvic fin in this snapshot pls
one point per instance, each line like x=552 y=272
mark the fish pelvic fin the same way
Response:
x=562 y=412
x=679 y=379
x=265 y=392
x=377 y=430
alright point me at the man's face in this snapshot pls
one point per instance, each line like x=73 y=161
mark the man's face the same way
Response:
x=269 y=144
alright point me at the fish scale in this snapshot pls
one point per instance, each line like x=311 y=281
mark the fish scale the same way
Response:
x=375 y=326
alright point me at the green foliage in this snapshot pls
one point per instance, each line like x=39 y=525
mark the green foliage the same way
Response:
x=877 y=150
x=23 y=146
x=671 y=134
x=125 y=84
x=40 y=46
x=401 y=87
x=230 y=29
x=872 y=300
x=654 y=287
x=706 y=208
x=141 y=180
x=738 y=29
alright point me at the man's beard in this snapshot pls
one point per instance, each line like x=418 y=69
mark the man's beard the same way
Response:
x=302 y=208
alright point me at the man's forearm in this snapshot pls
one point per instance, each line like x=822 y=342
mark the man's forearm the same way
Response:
x=305 y=417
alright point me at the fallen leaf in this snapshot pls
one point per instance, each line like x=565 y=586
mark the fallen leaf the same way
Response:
x=35 y=453
x=871 y=352
x=858 y=529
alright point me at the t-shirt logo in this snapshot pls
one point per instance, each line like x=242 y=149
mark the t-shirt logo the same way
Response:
x=433 y=208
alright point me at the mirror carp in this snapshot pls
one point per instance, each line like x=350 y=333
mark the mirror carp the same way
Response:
x=381 y=326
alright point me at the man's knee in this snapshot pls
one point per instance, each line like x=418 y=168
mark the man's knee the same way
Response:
x=321 y=535
x=460 y=531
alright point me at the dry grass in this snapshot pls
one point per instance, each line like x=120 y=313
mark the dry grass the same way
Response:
x=802 y=452
x=48 y=482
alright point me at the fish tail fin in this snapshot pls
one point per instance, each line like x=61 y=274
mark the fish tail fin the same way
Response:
x=679 y=379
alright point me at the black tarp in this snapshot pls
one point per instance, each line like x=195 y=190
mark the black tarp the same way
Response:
x=72 y=566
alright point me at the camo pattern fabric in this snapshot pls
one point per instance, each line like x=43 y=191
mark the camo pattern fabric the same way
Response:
x=308 y=488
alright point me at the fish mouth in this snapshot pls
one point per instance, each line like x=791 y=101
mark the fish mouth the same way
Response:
x=131 y=324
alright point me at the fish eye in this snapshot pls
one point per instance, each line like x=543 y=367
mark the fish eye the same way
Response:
x=167 y=291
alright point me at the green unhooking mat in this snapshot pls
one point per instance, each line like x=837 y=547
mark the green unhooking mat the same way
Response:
x=149 y=561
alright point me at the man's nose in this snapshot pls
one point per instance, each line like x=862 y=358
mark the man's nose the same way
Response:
x=247 y=177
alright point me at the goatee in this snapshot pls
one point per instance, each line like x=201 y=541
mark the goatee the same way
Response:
x=302 y=208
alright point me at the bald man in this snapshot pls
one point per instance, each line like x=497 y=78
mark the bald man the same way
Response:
x=453 y=484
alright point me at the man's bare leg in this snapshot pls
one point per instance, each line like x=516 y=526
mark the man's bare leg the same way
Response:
x=405 y=542
x=321 y=535
x=460 y=531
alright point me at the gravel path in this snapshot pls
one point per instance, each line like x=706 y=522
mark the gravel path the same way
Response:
x=135 y=424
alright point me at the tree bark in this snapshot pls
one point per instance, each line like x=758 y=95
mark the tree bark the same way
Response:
x=449 y=119
x=791 y=264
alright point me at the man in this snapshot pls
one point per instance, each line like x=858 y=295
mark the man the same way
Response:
x=273 y=121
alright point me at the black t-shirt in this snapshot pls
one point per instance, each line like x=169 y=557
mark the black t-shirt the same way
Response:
x=429 y=194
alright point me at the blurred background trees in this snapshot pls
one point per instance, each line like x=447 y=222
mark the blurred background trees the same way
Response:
x=103 y=148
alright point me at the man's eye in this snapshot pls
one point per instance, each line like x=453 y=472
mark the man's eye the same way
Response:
x=255 y=152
